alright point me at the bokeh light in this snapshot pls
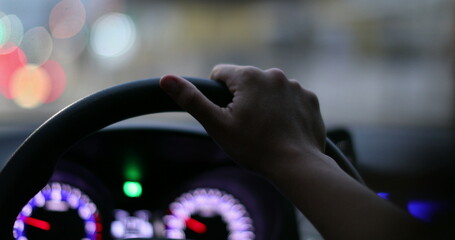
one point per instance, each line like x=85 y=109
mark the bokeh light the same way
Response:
x=424 y=210
x=57 y=78
x=67 y=18
x=113 y=35
x=3 y=30
x=11 y=33
x=37 y=45
x=27 y=76
x=30 y=86
x=384 y=195
x=132 y=189
x=68 y=50
x=9 y=64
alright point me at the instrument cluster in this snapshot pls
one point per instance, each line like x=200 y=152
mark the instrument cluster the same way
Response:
x=154 y=183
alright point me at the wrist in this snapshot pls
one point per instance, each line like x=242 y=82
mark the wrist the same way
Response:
x=296 y=161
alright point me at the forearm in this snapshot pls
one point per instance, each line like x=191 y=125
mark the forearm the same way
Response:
x=337 y=205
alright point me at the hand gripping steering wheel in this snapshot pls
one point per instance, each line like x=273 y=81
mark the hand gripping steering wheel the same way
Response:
x=32 y=165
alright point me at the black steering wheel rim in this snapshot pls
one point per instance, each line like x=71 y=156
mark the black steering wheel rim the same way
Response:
x=32 y=165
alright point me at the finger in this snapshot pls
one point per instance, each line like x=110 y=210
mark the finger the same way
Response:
x=221 y=72
x=190 y=99
x=276 y=73
x=232 y=75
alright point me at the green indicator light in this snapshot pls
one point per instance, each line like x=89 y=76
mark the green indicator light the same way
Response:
x=132 y=168
x=132 y=189
x=132 y=172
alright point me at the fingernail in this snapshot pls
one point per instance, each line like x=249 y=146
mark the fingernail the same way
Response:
x=169 y=84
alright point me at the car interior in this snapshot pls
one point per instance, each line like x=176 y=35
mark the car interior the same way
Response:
x=92 y=148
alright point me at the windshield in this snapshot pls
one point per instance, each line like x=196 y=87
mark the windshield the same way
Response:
x=370 y=62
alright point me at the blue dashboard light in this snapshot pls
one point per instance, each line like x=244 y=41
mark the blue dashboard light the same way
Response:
x=423 y=210
x=384 y=195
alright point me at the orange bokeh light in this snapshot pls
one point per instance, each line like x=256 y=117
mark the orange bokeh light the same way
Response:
x=9 y=64
x=67 y=18
x=30 y=86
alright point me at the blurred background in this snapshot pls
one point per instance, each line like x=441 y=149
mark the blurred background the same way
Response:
x=372 y=63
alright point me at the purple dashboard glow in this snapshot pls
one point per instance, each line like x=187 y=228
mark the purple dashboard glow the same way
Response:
x=136 y=226
x=207 y=203
x=58 y=198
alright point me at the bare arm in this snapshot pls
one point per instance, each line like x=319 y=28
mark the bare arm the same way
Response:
x=274 y=126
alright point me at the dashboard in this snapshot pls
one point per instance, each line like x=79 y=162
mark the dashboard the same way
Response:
x=147 y=179
x=154 y=182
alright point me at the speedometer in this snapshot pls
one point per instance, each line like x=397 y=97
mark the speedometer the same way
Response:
x=208 y=213
x=56 y=212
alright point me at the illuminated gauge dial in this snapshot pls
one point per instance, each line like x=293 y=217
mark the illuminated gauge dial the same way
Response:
x=208 y=213
x=59 y=211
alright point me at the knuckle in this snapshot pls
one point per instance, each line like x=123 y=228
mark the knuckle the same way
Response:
x=249 y=73
x=216 y=69
x=295 y=84
x=276 y=73
x=312 y=98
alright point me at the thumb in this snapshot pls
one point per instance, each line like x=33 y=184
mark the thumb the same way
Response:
x=190 y=99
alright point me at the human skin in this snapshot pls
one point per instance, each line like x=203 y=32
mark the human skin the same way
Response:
x=273 y=126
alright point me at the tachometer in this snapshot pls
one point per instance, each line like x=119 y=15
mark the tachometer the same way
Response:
x=208 y=213
x=59 y=211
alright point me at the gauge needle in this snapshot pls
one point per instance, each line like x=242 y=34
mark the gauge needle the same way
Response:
x=46 y=226
x=195 y=226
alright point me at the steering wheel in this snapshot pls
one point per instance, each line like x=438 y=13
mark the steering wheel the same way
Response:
x=32 y=165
